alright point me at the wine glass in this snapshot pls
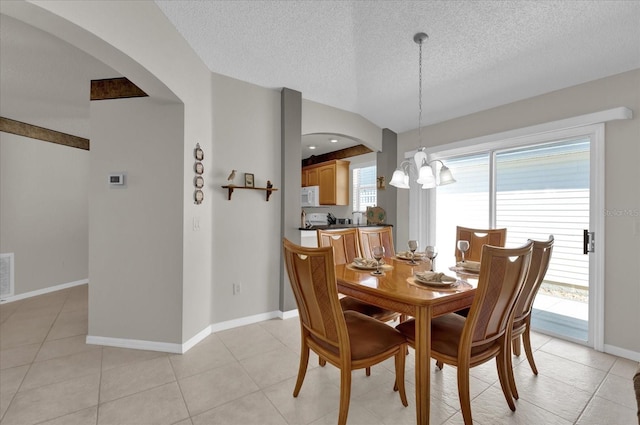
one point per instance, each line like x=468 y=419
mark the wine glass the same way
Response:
x=463 y=246
x=378 y=254
x=431 y=252
x=413 y=245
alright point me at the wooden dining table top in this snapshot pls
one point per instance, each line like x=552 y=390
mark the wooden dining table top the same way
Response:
x=397 y=285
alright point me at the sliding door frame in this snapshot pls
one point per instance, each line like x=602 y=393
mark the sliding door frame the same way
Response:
x=422 y=202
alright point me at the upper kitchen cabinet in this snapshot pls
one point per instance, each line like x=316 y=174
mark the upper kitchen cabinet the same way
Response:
x=333 y=179
x=310 y=176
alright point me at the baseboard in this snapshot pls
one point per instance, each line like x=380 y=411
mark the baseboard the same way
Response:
x=186 y=346
x=289 y=314
x=622 y=352
x=243 y=321
x=44 y=291
x=135 y=344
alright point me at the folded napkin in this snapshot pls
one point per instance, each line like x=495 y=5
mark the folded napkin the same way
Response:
x=469 y=265
x=434 y=277
x=366 y=262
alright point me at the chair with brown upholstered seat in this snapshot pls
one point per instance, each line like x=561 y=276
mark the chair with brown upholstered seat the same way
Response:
x=477 y=239
x=347 y=339
x=345 y=249
x=370 y=237
x=486 y=332
x=540 y=257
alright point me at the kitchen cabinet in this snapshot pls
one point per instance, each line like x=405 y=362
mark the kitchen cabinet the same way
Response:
x=333 y=179
x=310 y=176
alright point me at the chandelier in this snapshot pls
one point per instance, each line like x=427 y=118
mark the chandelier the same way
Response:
x=423 y=168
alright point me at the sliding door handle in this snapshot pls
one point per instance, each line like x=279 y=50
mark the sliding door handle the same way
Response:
x=588 y=242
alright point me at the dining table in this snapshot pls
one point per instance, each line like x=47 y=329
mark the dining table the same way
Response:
x=397 y=289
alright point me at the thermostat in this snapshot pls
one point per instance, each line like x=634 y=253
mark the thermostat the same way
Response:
x=116 y=179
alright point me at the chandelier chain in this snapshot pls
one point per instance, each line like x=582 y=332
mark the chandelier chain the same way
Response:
x=420 y=93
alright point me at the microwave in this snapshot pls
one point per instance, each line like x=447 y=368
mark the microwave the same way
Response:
x=310 y=196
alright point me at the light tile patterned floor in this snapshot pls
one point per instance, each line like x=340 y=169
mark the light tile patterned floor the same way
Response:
x=245 y=376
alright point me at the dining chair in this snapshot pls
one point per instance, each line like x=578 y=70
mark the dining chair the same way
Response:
x=345 y=249
x=540 y=257
x=486 y=332
x=347 y=339
x=477 y=239
x=370 y=237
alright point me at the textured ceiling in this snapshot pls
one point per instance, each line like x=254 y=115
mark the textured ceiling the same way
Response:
x=45 y=81
x=360 y=55
x=354 y=55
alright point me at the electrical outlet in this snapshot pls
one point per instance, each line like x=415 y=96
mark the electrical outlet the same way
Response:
x=236 y=288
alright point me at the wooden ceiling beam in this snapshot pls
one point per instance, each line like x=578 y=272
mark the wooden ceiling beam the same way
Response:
x=339 y=154
x=115 y=88
x=40 y=133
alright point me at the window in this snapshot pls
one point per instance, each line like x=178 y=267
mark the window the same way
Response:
x=364 y=187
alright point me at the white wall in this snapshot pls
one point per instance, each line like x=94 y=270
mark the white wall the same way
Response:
x=149 y=51
x=135 y=233
x=44 y=212
x=246 y=229
x=319 y=118
x=622 y=174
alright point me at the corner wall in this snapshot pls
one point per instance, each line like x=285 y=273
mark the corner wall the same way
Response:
x=44 y=212
x=135 y=232
x=246 y=229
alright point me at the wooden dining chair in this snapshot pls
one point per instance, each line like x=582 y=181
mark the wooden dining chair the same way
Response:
x=477 y=239
x=486 y=332
x=345 y=249
x=347 y=339
x=370 y=237
x=540 y=257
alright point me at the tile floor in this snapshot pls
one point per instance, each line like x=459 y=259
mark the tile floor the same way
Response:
x=48 y=375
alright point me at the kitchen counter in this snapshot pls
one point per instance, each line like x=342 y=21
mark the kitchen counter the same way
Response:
x=342 y=226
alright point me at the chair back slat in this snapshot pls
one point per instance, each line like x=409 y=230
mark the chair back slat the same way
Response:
x=477 y=239
x=378 y=236
x=311 y=273
x=502 y=275
x=344 y=243
x=540 y=258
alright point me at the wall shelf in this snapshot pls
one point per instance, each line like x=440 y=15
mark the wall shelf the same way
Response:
x=269 y=190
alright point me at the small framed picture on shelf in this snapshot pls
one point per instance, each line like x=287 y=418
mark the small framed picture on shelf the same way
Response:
x=248 y=180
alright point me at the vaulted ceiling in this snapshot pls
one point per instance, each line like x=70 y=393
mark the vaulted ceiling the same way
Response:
x=354 y=55
x=360 y=55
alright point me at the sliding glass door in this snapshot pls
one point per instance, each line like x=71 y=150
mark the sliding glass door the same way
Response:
x=543 y=190
x=534 y=190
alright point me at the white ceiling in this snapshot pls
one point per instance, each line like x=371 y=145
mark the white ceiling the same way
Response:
x=360 y=55
x=354 y=55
